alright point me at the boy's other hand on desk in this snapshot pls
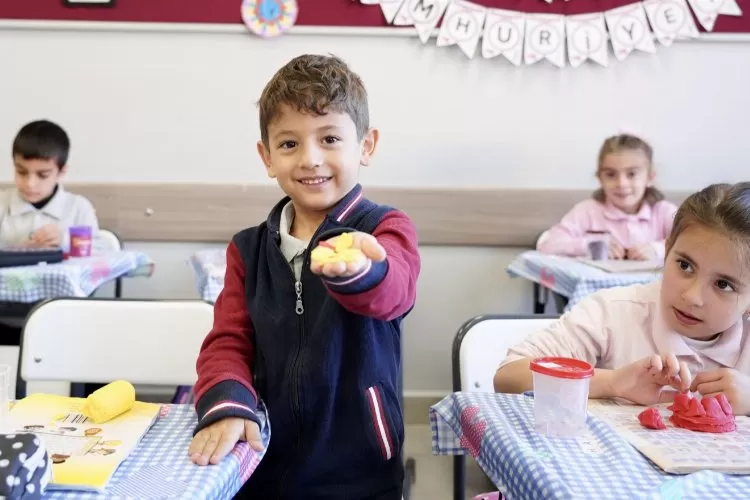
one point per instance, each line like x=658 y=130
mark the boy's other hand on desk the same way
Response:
x=369 y=250
x=215 y=442
x=49 y=236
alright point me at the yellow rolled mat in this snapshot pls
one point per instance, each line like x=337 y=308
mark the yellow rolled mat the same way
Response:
x=110 y=401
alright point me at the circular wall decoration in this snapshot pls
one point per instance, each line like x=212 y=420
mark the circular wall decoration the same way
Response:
x=269 y=18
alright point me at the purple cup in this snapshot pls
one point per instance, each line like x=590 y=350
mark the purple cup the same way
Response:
x=598 y=249
x=80 y=241
x=598 y=245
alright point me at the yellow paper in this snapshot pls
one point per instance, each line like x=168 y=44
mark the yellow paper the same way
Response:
x=84 y=454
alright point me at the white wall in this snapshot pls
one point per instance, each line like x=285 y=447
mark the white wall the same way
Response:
x=179 y=107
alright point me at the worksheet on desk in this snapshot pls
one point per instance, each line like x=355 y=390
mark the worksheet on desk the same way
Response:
x=676 y=450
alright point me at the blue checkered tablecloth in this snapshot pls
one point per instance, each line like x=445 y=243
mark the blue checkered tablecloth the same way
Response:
x=76 y=277
x=160 y=467
x=209 y=267
x=570 y=278
x=498 y=430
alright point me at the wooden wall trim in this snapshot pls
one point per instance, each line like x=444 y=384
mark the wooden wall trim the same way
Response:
x=214 y=212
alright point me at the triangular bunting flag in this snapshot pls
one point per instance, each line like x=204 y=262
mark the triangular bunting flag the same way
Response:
x=628 y=30
x=544 y=39
x=390 y=9
x=730 y=8
x=503 y=35
x=670 y=19
x=706 y=11
x=424 y=15
x=587 y=39
x=462 y=26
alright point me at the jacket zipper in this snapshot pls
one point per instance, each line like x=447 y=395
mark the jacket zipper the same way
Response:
x=299 y=310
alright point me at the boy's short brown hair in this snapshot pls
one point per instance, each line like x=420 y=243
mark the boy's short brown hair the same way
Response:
x=315 y=84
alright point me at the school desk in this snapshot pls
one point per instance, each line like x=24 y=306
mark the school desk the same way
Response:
x=209 y=267
x=498 y=430
x=570 y=279
x=161 y=468
x=22 y=287
x=74 y=277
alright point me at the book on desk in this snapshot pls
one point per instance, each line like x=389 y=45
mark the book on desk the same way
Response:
x=84 y=454
x=14 y=257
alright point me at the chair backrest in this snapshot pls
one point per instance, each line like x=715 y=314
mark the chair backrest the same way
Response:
x=482 y=343
x=107 y=241
x=99 y=340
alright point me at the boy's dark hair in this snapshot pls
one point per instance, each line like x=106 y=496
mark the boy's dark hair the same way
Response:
x=315 y=84
x=42 y=140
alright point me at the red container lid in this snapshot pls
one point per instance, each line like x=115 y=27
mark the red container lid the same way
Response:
x=562 y=367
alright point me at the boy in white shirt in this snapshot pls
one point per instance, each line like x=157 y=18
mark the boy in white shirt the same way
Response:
x=38 y=212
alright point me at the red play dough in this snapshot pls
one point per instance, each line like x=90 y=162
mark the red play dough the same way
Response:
x=650 y=418
x=709 y=414
x=724 y=403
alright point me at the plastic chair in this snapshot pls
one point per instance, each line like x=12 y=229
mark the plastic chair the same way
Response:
x=108 y=241
x=541 y=294
x=153 y=342
x=478 y=348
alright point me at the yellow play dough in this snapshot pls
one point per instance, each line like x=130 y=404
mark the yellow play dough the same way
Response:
x=110 y=401
x=341 y=252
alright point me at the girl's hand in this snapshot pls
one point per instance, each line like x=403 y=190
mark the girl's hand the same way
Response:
x=733 y=384
x=643 y=382
x=643 y=252
x=349 y=259
x=616 y=252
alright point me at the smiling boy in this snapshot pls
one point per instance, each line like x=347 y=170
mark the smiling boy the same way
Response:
x=319 y=344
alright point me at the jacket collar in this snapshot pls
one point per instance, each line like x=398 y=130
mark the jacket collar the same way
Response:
x=340 y=212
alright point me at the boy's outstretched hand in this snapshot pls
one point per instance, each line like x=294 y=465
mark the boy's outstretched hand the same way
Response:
x=642 y=382
x=215 y=442
x=346 y=255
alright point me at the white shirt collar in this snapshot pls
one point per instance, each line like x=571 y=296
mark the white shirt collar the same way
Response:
x=290 y=246
x=54 y=208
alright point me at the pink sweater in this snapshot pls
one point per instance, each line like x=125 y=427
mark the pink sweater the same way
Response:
x=651 y=225
x=618 y=326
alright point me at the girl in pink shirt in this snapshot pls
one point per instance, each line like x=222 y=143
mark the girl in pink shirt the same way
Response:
x=646 y=340
x=627 y=206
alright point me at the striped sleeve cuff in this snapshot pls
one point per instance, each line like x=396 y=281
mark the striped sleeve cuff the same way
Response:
x=226 y=399
x=365 y=280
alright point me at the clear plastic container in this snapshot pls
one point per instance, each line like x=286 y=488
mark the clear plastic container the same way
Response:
x=598 y=245
x=561 y=393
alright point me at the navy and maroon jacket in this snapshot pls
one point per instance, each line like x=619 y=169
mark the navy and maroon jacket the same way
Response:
x=324 y=356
